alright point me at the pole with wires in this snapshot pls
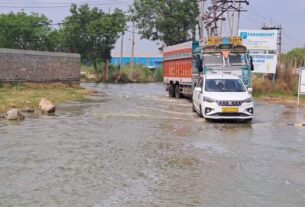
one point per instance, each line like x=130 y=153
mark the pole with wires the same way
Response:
x=132 y=45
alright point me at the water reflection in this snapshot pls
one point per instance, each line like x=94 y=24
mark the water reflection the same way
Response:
x=133 y=146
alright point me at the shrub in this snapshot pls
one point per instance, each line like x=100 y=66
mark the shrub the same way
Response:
x=285 y=84
x=158 y=76
x=262 y=86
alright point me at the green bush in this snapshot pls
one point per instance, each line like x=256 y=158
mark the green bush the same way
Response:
x=285 y=84
x=138 y=74
x=158 y=75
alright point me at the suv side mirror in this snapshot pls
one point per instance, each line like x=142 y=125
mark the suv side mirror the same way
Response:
x=250 y=91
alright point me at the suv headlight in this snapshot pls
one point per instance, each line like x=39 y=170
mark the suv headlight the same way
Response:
x=207 y=99
x=248 y=100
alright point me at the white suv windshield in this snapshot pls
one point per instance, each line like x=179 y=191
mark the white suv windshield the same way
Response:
x=224 y=85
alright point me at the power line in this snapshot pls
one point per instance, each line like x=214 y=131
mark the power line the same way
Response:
x=289 y=37
x=258 y=14
x=51 y=6
x=21 y=3
x=251 y=18
x=63 y=3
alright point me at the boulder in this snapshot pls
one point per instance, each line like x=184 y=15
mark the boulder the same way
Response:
x=14 y=114
x=46 y=106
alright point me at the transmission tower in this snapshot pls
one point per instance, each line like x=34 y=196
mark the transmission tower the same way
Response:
x=215 y=15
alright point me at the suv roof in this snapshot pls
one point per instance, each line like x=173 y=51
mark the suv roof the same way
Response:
x=223 y=76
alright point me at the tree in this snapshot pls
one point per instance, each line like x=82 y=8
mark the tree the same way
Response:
x=93 y=33
x=23 y=31
x=169 y=21
x=294 y=57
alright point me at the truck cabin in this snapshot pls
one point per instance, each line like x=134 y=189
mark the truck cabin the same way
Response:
x=226 y=54
x=225 y=58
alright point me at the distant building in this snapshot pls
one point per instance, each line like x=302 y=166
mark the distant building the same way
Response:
x=150 y=61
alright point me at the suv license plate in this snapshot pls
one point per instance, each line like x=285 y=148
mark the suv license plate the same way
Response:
x=229 y=110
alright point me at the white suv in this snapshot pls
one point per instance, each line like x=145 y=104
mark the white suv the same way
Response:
x=222 y=97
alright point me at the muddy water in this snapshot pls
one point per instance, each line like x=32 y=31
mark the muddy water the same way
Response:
x=133 y=146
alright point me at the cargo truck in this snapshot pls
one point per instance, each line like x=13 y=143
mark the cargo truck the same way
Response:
x=185 y=63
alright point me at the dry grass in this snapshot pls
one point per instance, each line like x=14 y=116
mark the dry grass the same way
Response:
x=23 y=97
x=286 y=83
x=283 y=91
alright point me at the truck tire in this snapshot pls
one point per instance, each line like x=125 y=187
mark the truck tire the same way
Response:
x=171 y=91
x=177 y=92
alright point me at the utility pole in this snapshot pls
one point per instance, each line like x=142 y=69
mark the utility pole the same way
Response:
x=304 y=56
x=132 y=45
x=201 y=27
x=214 y=28
x=279 y=37
x=215 y=13
x=238 y=17
x=279 y=41
x=233 y=17
x=122 y=50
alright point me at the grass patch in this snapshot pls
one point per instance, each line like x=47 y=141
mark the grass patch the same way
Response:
x=24 y=96
x=282 y=92
x=139 y=74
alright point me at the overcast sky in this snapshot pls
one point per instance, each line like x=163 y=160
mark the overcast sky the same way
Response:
x=289 y=14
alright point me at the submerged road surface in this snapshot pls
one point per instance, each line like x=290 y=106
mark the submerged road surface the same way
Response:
x=133 y=146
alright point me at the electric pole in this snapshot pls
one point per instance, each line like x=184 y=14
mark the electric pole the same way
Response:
x=200 y=26
x=279 y=37
x=132 y=45
x=215 y=14
x=122 y=50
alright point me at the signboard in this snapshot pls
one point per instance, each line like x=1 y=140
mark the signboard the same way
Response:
x=301 y=89
x=259 y=39
x=264 y=63
x=302 y=80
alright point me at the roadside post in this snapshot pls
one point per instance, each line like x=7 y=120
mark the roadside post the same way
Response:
x=301 y=88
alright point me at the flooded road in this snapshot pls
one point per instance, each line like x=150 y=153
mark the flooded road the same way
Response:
x=133 y=147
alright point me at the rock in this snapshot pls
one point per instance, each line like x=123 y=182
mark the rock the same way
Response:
x=46 y=106
x=14 y=114
x=27 y=110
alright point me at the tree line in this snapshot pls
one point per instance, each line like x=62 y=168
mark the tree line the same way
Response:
x=93 y=32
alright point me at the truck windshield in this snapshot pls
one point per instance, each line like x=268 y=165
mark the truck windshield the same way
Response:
x=213 y=60
x=237 y=59
x=224 y=85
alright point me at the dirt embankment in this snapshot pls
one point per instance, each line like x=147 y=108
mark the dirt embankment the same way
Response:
x=29 y=97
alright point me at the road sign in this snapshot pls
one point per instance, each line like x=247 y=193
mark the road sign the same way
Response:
x=264 y=63
x=262 y=45
x=259 y=39
x=302 y=80
x=301 y=89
